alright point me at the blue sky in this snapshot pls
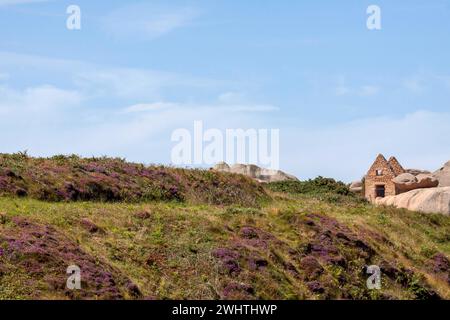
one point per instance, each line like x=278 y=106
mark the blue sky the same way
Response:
x=339 y=93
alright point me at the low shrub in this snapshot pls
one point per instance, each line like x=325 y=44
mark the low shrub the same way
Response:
x=311 y=186
x=72 y=178
x=326 y=189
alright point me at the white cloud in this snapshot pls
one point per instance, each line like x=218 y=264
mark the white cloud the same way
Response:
x=144 y=107
x=251 y=108
x=47 y=120
x=345 y=151
x=231 y=97
x=342 y=90
x=426 y=82
x=37 y=119
x=219 y=107
x=17 y=2
x=363 y=91
x=123 y=83
x=134 y=83
x=414 y=84
x=35 y=102
x=445 y=80
x=369 y=90
x=35 y=62
x=103 y=80
x=147 y=21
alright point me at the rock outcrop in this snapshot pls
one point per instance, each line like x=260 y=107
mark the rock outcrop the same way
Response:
x=416 y=172
x=431 y=200
x=405 y=178
x=356 y=186
x=443 y=175
x=255 y=172
x=407 y=182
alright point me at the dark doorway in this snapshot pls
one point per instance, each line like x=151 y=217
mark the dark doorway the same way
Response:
x=380 y=191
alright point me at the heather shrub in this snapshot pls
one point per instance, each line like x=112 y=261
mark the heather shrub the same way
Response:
x=72 y=178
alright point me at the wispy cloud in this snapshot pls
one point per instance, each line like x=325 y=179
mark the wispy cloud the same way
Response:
x=145 y=107
x=343 y=89
x=362 y=91
x=353 y=145
x=103 y=80
x=218 y=107
x=426 y=81
x=368 y=91
x=4 y=76
x=135 y=83
x=145 y=21
x=414 y=84
x=33 y=101
x=44 y=119
x=16 y=2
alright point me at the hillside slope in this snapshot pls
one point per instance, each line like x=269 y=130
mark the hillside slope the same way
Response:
x=291 y=245
x=71 y=178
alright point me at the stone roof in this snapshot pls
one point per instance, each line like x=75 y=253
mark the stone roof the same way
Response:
x=393 y=166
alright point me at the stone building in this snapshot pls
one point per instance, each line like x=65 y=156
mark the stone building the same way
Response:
x=379 y=179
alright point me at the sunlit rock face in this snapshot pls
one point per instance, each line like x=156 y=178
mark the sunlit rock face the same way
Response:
x=255 y=172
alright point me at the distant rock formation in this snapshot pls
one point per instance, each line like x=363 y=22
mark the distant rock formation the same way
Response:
x=443 y=175
x=356 y=186
x=431 y=200
x=255 y=172
x=416 y=172
x=406 y=182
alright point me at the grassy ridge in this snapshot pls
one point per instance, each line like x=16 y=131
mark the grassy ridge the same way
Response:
x=71 y=178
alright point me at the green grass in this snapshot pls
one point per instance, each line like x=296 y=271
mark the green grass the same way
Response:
x=168 y=254
x=199 y=234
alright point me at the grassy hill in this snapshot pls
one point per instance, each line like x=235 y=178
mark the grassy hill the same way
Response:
x=154 y=232
x=71 y=178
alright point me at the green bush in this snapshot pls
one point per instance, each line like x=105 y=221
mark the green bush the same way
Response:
x=318 y=185
x=326 y=189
